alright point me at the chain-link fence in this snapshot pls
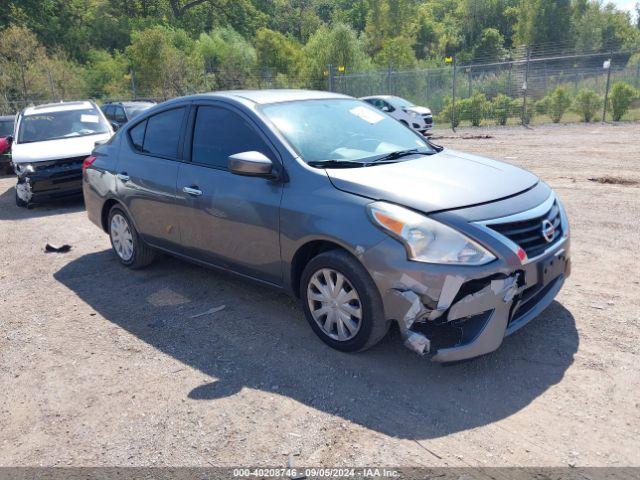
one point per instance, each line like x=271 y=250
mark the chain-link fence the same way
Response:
x=509 y=91
x=502 y=92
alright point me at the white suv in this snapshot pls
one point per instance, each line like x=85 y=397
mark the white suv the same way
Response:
x=51 y=141
x=418 y=118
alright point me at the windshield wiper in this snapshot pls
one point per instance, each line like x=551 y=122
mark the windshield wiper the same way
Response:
x=335 y=164
x=399 y=154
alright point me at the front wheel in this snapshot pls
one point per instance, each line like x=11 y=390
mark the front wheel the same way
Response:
x=126 y=243
x=342 y=303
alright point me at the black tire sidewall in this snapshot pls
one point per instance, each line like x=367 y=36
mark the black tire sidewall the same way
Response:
x=360 y=279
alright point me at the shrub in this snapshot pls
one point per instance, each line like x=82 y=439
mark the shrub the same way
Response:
x=557 y=103
x=586 y=104
x=542 y=105
x=517 y=109
x=447 y=110
x=622 y=94
x=475 y=108
x=501 y=108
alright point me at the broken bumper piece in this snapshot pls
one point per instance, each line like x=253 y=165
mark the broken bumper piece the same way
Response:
x=52 y=180
x=454 y=314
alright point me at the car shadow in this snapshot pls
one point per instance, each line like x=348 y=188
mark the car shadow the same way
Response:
x=10 y=211
x=261 y=340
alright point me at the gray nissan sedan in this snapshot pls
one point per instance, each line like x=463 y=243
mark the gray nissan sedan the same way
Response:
x=335 y=202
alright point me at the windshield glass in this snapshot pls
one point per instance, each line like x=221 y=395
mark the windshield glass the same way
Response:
x=40 y=127
x=340 y=129
x=135 y=110
x=6 y=128
x=401 y=102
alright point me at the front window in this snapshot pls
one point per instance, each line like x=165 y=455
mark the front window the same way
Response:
x=40 y=127
x=344 y=130
x=6 y=128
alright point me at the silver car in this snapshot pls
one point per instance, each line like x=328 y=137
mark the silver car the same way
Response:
x=413 y=116
x=325 y=197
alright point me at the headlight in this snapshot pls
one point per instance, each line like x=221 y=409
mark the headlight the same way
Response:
x=425 y=239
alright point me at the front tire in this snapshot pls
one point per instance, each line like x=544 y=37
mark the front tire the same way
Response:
x=21 y=203
x=342 y=303
x=125 y=241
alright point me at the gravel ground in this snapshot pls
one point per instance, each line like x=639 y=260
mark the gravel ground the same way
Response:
x=100 y=365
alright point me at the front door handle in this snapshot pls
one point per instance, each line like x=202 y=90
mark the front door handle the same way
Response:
x=193 y=191
x=123 y=176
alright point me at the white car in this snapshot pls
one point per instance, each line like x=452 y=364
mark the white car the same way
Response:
x=51 y=142
x=418 y=118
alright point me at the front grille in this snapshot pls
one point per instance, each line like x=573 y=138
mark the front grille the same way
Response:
x=71 y=163
x=528 y=235
x=428 y=119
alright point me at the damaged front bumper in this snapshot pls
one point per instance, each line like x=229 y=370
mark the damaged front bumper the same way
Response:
x=51 y=180
x=455 y=313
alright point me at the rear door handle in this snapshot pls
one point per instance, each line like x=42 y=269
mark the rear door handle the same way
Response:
x=123 y=176
x=193 y=191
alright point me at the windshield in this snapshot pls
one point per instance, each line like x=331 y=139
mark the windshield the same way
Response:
x=401 y=102
x=62 y=124
x=346 y=130
x=6 y=128
x=135 y=110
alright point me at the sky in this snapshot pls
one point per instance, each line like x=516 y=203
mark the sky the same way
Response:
x=628 y=5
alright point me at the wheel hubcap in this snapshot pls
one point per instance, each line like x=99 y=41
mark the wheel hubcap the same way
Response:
x=334 y=304
x=121 y=237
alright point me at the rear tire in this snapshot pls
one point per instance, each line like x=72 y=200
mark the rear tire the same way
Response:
x=125 y=241
x=367 y=326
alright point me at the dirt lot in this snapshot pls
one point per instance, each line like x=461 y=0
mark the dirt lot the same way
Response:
x=103 y=366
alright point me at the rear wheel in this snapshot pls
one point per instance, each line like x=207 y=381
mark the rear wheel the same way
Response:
x=126 y=243
x=342 y=303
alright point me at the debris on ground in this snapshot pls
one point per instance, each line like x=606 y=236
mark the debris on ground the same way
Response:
x=462 y=137
x=53 y=249
x=209 y=312
x=613 y=180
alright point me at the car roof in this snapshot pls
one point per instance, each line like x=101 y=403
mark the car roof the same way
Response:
x=132 y=103
x=262 y=97
x=58 y=107
x=4 y=118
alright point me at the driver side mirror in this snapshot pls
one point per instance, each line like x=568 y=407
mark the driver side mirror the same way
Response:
x=9 y=140
x=251 y=164
x=115 y=126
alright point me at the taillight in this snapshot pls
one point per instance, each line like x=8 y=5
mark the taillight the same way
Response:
x=87 y=161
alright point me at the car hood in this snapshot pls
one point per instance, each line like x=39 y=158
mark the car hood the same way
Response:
x=443 y=181
x=419 y=110
x=56 y=149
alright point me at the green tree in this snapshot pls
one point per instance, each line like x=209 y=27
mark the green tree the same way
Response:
x=543 y=21
x=21 y=56
x=338 y=46
x=277 y=52
x=107 y=75
x=490 y=47
x=165 y=62
x=396 y=52
x=228 y=56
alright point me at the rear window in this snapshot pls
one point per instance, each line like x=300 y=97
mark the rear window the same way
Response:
x=159 y=134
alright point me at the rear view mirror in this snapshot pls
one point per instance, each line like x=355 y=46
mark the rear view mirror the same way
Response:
x=252 y=164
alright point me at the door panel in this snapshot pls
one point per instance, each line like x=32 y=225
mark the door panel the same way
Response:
x=235 y=221
x=147 y=173
x=150 y=195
